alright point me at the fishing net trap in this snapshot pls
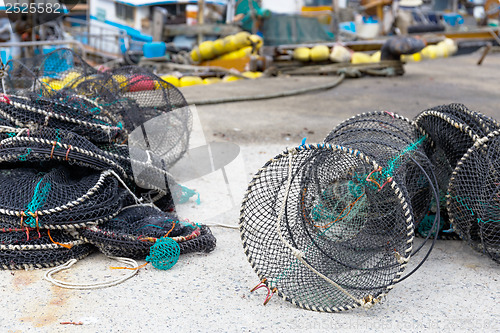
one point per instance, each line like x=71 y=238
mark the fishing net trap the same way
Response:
x=473 y=198
x=330 y=227
x=84 y=160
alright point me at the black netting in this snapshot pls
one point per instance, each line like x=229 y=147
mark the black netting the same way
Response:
x=58 y=197
x=28 y=248
x=137 y=228
x=76 y=146
x=450 y=136
x=396 y=143
x=474 y=196
x=44 y=74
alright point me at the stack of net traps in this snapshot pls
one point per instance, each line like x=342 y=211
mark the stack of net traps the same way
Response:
x=81 y=170
x=465 y=153
x=330 y=227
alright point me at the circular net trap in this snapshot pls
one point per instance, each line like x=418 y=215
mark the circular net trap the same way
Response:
x=132 y=233
x=28 y=248
x=473 y=199
x=324 y=229
x=451 y=136
x=452 y=129
x=399 y=147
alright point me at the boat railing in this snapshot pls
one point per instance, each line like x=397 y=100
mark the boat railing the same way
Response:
x=97 y=39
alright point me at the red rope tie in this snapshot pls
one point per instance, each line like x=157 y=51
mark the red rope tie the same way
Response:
x=390 y=113
x=54 y=143
x=37 y=225
x=387 y=181
x=22 y=225
x=67 y=152
x=4 y=98
x=368 y=179
x=270 y=292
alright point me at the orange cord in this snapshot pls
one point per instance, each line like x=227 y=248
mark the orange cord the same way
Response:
x=54 y=143
x=68 y=246
x=130 y=268
x=67 y=153
x=338 y=218
x=173 y=226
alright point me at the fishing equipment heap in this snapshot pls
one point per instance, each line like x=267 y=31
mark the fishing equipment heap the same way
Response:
x=330 y=227
x=465 y=154
x=84 y=159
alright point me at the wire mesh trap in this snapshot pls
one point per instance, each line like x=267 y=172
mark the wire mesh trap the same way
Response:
x=473 y=199
x=451 y=136
x=321 y=230
x=452 y=129
x=397 y=144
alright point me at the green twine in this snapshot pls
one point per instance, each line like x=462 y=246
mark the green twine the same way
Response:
x=395 y=162
x=187 y=193
x=164 y=254
x=425 y=226
x=39 y=197
x=24 y=156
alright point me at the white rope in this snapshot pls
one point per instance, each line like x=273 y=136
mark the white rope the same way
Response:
x=296 y=252
x=137 y=200
x=221 y=225
x=105 y=284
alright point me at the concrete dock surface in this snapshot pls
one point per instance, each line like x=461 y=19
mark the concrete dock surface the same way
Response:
x=456 y=290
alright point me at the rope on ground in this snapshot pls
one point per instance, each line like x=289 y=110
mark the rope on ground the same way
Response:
x=70 y=285
x=287 y=93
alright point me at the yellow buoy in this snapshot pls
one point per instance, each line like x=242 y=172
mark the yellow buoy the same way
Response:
x=241 y=39
x=241 y=53
x=256 y=39
x=360 y=58
x=56 y=84
x=340 y=54
x=411 y=57
x=211 y=80
x=207 y=50
x=173 y=80
x=187 y=81
x=450 y=45
x=320 y=53
x=430 y=52
x=195 y=55
x=230 y=44
x=375 y=57
x=219 y=46
x=302 y=54
x=252 y=75
x=230 y=78
x=70 y=76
